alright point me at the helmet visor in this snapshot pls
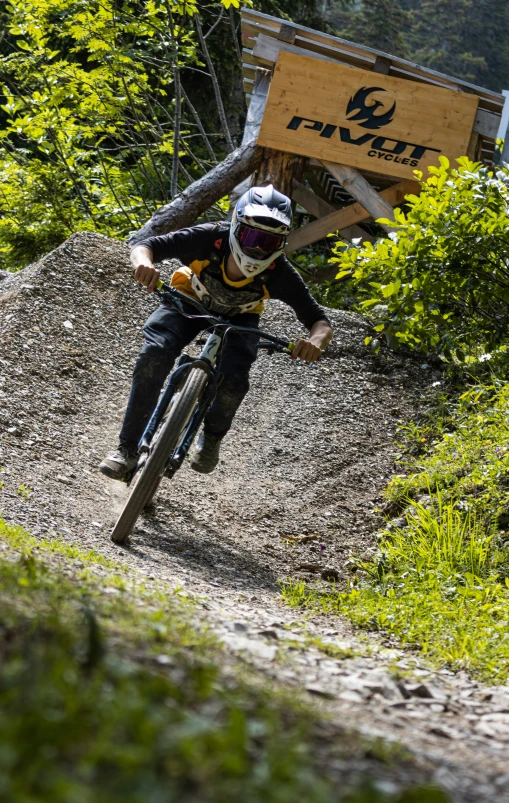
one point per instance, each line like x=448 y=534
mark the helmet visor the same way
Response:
x=258 y=244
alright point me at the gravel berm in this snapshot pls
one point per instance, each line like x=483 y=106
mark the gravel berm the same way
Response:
x=310 y=451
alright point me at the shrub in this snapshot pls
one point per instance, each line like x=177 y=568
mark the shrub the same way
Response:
x=443 y=275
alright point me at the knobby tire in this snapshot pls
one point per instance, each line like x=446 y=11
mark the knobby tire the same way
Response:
x=153 y=470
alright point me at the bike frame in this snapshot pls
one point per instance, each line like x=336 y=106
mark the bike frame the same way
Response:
x=206 y=360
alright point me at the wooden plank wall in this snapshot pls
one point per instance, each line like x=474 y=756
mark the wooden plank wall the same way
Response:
x=264 y=36
x=417 y=121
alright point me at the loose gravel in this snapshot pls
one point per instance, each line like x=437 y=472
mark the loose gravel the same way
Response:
x=293 y=496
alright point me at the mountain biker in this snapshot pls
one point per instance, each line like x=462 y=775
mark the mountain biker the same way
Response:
x=231 y=269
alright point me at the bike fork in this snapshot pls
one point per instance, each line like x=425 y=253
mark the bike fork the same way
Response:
x=184 y=364
x=206 y=361
x=179 y=455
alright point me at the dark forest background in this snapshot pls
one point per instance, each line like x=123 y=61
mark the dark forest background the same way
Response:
x=465 y=38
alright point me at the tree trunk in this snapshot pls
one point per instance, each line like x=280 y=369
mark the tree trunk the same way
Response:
x=215 y=84
x=200 y=195
x=279 y=169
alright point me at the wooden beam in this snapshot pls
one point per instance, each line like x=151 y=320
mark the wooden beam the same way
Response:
x=317 y=207
x=267 y=49
x=486 y=124
x=382 y=65
x=343 y=218
x=505 y=136
x=287 y=33
x=305 y=196
x=474 y=147
x=360 y=189
x=319 y=51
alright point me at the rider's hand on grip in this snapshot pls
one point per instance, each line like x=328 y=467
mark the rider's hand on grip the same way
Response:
x=147 y=275
x=306 y=350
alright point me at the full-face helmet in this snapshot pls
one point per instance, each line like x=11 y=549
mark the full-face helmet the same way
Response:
x=260 y=224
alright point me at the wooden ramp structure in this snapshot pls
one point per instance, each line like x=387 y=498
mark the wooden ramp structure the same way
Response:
x=340 y=128
x=371 y=192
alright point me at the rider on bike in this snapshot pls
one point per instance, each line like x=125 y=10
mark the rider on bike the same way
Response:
x=231 y=269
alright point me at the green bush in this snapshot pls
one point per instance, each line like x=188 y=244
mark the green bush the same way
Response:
x=440 y=582
x=442 y=279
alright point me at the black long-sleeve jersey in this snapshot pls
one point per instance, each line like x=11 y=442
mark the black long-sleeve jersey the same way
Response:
x=204 y=250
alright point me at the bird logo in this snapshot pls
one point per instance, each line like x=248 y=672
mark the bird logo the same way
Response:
x=368 y=113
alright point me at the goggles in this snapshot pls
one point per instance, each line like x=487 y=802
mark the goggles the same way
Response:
x=258 y=244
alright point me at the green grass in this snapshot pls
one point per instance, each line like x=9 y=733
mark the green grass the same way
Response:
x=110 y=692
x=440 y=581
x=469 y=460
x=19 y=539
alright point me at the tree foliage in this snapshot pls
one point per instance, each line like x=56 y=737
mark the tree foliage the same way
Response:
x=465 y=38
x=379 y=24
x=441 y=282
x=98 y=129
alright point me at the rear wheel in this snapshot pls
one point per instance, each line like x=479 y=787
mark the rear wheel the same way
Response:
x=151 y=473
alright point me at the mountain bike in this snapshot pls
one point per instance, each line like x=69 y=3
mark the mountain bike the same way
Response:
x=182 y=407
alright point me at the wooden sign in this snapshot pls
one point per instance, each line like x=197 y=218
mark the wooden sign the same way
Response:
x=375 y=122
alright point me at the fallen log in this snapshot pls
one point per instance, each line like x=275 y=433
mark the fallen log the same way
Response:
x=200 y=195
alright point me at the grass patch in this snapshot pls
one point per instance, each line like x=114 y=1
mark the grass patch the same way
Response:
x=440 y=579
x=19 y=539
x=109 y=692
x=463 y=449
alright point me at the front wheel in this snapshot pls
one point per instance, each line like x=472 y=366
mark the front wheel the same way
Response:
x=152 y=472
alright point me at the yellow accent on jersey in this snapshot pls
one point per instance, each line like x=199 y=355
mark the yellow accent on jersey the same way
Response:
x=238 y=282
x=197 y=265
x=181 y=280
x=261 y=306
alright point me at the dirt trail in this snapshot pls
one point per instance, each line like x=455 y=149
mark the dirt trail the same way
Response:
x=310 y=451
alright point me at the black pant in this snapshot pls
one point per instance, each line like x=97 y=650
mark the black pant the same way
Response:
x=167 y=332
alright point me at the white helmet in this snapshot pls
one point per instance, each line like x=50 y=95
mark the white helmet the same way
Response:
x=260 y=224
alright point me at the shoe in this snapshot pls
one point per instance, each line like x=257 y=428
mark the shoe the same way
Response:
x=206 y=454
x=118 y=466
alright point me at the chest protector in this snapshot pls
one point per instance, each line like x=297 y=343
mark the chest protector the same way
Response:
x=214 y=291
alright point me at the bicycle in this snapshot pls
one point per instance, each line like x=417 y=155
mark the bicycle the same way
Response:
x=181 y=409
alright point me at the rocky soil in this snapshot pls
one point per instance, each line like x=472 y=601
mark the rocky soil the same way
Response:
x=293 y=496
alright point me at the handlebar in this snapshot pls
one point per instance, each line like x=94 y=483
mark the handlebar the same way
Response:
x=164 y=290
